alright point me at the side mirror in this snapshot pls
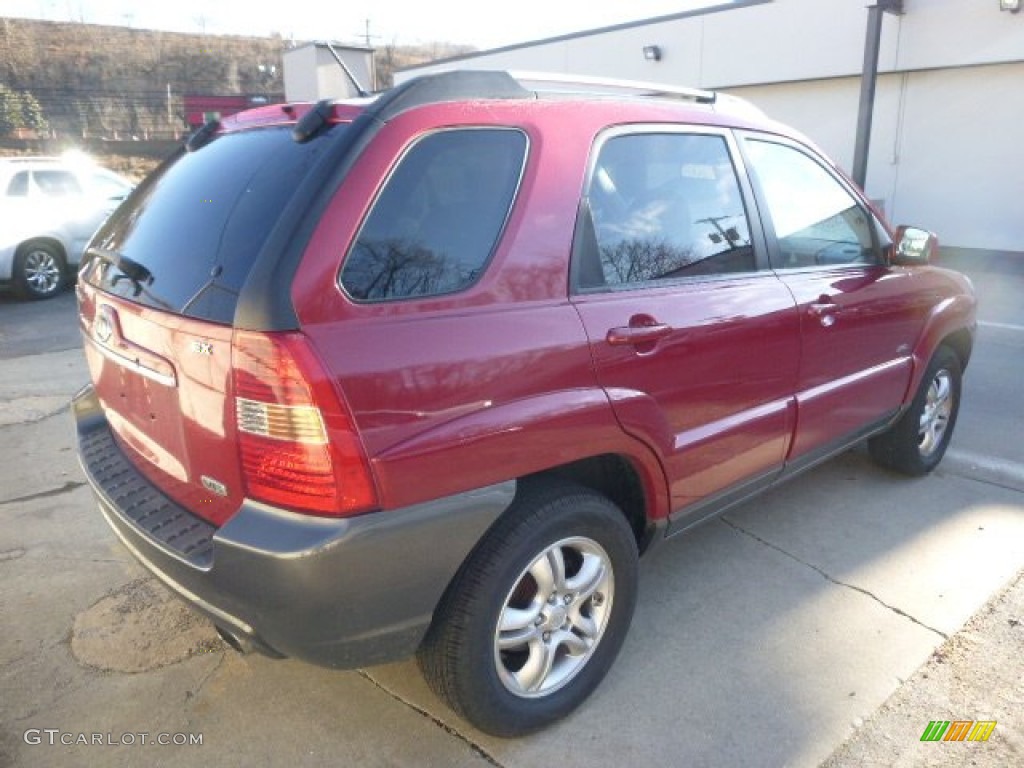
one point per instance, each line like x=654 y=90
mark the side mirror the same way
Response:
x=914 y=246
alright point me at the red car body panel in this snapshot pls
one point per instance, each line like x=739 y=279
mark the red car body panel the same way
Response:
x=949 y=318
x=714 y=396
x=528 y=362
x=503 y=353
x=855 y=362
x=179 y=431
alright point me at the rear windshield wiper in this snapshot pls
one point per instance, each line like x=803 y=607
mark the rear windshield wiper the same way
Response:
x=202 y=136
x=129 y=268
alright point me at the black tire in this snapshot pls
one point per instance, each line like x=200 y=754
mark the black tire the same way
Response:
x=917 y=442
x=460 y=658
x=40 y=271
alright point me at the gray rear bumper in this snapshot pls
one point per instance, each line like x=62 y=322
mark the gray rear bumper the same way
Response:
x=342 y=592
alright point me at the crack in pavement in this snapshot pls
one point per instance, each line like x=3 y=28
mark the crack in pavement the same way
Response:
x=981 y=480
x=17 y=659
x=4 y=355
x=62 y=690
x=480 y=751
x=68 y=487
x=69 y=688
x=110 y=560
x=193 y=693
x=34 y=419
x=832 y=579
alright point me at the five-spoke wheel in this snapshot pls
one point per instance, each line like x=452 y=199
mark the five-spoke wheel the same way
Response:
x=554 y=617
x=938 y=407
x=917 y=442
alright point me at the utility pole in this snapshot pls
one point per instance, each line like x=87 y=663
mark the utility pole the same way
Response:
x=368 y=38
x=868 y=79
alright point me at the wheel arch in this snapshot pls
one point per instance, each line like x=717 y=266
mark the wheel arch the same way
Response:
x=580 y=438
x=49 y=240
x=951 y=322
x=615 y=477
x=961 y=342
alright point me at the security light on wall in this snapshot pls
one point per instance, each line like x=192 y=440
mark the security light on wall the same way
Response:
x=1013 y=6
x=653 y=52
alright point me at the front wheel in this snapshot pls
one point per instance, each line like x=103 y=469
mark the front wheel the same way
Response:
x=537 y=614
x=917 y=442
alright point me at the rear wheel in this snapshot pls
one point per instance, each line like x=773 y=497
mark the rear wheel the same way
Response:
x=537 y=614
x=917 y=442
x=39 y=271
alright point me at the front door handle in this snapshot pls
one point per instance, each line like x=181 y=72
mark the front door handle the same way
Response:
x=820 y=308
x=825 y=310
x=636 y=335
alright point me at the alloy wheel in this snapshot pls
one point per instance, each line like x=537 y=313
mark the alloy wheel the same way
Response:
x=554 y=617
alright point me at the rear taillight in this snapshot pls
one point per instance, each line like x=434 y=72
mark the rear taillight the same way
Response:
x=298 y=442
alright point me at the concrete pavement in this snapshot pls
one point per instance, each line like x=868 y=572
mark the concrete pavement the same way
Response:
x=768 y=637
x=975 y=675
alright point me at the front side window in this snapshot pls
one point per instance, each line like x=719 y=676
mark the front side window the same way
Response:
x=817 y=221
x=663 y=206
x=436 y=222
x=57 y=183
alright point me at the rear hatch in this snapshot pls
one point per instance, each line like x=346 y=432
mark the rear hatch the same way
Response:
x=158 y=290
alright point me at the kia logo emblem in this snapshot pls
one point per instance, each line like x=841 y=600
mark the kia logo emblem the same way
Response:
x=103 y=328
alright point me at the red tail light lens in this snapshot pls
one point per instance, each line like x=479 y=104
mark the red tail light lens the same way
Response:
x=298 y=443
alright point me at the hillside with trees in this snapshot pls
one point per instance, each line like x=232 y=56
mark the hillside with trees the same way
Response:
x=72 y=80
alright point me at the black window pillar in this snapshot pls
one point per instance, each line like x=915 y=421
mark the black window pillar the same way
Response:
x=869 y=76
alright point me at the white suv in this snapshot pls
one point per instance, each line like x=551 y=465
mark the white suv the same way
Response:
x=49 y=208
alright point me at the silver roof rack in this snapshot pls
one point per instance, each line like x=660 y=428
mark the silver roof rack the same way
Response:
x=449 y=85
x=564 y=83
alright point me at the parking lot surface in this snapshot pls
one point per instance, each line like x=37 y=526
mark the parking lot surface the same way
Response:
x=829 y=620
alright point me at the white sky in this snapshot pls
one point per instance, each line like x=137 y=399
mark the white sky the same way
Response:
x=471 y=22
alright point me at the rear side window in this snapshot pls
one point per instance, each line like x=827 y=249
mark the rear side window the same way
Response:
x=663 y=206
x=188 y=237
x=438 y=218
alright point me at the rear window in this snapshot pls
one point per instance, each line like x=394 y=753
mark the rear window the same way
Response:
x=19 y=185
x=189 y=236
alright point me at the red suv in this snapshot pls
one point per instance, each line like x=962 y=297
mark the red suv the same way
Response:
x=424 y=373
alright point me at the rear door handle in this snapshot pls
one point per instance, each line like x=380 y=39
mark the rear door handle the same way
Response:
x=637 y=334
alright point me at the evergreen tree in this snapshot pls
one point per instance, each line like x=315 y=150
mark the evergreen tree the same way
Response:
x=11 y=117
x=32 y=113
